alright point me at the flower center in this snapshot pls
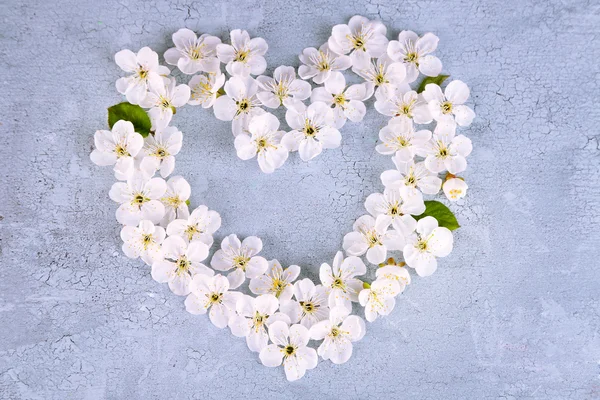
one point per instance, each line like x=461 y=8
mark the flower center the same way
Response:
x=394 y=210
x=443 y=152
x=402 y=142
x=243 y=106
x=139 y=199
x=121 y=151
x=379 y=79
x=191 y=230
x=258 y=320
x=196 y=52
x=182 y=265
x=411 y=57
x=278 y=286
x=215 y=298
x=173 y=201
x=142 y=73
x=335 y=331
x=323 y=64
x=261 y=144
x=289 y=350
x=160 y=152
x=446 y=107
x=338 y=283
x=309 y=130
x=241 y=262
x=411 y=180
x=308 y=307
x=340 y=100
x=242 y=55
x=373 y=239
x=359 y=42
x=422 y=245
x=164 y=102
x=146 y=240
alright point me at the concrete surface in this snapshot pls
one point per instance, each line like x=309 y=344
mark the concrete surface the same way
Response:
x=512 y=313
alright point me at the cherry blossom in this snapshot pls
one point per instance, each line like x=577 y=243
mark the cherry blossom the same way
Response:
x=117 y=147
x=145 y=72
x=322 y=64
x=346 y=101
x=414 y=52
x=276 y=281
x=244 y=56
x=290 y=347
x=428 y=242
x=313 y=130
x=193 y=54
x=338 y=332
x=212 y=292
x=182 y=261
x=241 y=256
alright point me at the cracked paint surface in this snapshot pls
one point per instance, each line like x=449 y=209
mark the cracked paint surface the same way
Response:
x=511 y=313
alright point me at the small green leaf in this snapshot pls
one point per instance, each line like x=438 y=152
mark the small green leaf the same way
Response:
x=366 y=285
x=438 y=80
x=132 y=113
x=187 y=202
x=440 y=212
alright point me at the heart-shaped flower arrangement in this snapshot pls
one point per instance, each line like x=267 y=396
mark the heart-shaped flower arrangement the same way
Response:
x=288 y=313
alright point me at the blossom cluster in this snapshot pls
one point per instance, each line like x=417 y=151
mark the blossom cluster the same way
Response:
x=287 y=313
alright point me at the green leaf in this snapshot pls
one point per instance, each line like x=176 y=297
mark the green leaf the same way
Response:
x=438 y=80
x=187 y=202
x=440 y=212
x=132 y=113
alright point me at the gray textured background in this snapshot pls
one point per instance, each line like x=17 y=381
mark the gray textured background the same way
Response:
x=512 y=313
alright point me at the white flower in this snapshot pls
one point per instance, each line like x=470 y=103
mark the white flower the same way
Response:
x=143 y=241
x=362 y=37
x=290 y=346
x=347 y=102
x=139 y=199
x=397 y=205
x=160 y=150
x=254 y=315
x=383 y=74
x=200 y=225
x=175 y=197
x=340 y=281
x=449 y=106
x=411 y=175
x=455 y=188
x=445 y=151
x=239 y=104
x=313 y=131
x=162 y=99
x=145 y=69
x=242 y=257
x=204 y=88
x=429 y=242
x=181 y=263
x=310 y=305
x=193 y=54
x=414 y=53
x=276 y=281
x=282 y=89
x=244 y=56
x=338 y=333
x=264 y=142
x=394 y=272
x=212 y=292
x=372 y=236
x=117 y=147
x=322 y=64
x=405 y=103
x=379 y=298
x=400 y=137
